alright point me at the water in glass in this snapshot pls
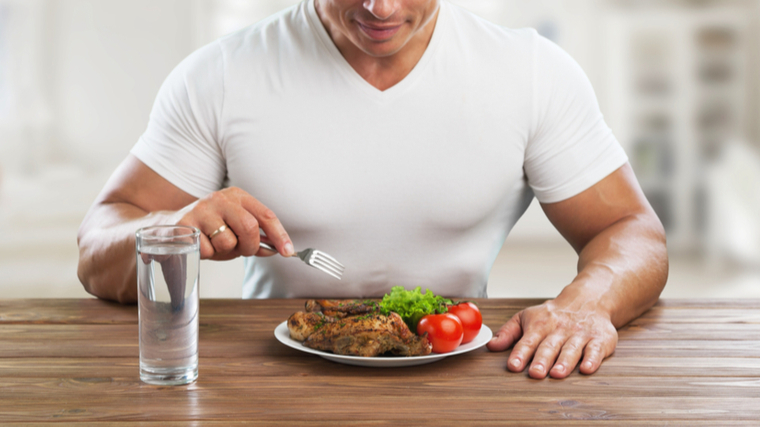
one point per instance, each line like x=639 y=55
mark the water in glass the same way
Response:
x=168 y=310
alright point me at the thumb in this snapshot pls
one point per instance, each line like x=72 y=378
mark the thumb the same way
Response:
x=506 y=335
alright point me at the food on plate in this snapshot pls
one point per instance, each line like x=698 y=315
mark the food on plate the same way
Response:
x=472 y=320
x=341 y=308
x=444 y=331
x=366 y=328
x=413 y=305
x=365 y=335
x=301 y=324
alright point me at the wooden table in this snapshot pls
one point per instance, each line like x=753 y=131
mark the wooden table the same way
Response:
x=694 y=363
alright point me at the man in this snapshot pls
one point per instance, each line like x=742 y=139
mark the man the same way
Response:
x=405 y=138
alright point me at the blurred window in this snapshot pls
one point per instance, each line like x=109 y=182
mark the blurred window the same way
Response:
x=5 y=96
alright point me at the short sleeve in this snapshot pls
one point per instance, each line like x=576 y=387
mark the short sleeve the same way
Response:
x=181 y=142
x=571 y=148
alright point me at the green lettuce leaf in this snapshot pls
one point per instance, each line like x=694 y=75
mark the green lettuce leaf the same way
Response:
x=413 y=305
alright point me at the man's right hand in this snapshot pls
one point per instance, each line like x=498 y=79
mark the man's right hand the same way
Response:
x=243 y=217
x=136 y=197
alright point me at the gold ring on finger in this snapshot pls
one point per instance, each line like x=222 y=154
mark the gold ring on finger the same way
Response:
x=217 y=231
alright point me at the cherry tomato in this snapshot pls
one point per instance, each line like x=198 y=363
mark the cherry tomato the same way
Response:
x=444 y=331
x=471 y=318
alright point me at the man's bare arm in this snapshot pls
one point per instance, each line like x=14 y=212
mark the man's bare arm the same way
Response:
x=622 y=269
x=136 y=196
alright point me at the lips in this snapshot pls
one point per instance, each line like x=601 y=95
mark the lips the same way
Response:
x=379 y=33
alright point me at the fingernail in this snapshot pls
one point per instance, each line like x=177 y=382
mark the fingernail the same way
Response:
x=559 y=368
x=588 y=365
x=289 y=251
x=515 y=363
x=538 y=367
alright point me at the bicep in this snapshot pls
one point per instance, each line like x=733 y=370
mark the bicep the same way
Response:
x=136 y=184
x=616 y=197
x=570 y=147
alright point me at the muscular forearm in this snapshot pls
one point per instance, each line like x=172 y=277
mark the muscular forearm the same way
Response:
x=136 y=197
x=107 y=249
x=622 y=270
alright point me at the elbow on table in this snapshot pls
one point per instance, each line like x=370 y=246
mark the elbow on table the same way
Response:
x=100 y=286
x=654 y=248
x=662 y=259
x=102 y=281
x=659 y=266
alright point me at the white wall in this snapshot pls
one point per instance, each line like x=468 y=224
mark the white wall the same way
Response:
x=109 y=59
x=25 y=114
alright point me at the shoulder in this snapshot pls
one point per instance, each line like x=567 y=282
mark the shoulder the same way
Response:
x=507 y=48
x=471 y=28
x=203 y=62
x=285 y=29
x=254 y=48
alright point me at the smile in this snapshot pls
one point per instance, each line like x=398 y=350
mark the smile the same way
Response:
x=379 y=33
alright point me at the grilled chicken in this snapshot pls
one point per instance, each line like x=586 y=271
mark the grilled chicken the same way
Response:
x=368 y=335
x=301 y=324
x=341 y=308
x=355 y=327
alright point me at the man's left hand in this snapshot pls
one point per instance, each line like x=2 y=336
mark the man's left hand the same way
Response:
x=557 y=337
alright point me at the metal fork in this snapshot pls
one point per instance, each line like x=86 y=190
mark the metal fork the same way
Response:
x=317 y=259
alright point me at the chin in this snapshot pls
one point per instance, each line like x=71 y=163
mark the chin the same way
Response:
x=381 y=53
x=381 y=49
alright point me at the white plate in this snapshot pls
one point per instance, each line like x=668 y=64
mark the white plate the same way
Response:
x=282 y=334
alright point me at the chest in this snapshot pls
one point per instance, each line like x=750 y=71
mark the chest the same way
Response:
x=443 y=159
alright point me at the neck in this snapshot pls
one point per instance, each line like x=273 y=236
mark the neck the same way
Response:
x=382 y=72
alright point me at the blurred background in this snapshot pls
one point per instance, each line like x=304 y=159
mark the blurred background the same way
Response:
x=677 y=80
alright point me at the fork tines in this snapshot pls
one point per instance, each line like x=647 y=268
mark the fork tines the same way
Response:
x=326 y=263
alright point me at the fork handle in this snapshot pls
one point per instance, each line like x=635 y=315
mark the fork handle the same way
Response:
x=269 y=247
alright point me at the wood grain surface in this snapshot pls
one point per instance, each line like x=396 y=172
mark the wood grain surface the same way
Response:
x=684 y=362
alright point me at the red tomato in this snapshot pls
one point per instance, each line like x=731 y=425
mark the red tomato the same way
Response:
x=471 y=318
x=444 y=331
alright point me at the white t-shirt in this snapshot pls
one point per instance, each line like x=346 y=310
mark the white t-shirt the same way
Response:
x=417 y=185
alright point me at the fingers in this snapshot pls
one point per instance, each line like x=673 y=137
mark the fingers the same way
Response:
x=223 y=242
x=241 y=217
x=569 y=356
x=524 y=350
x=507 y=335
x=244 y=236
x=546 y=354
x=554 y=341
x=217 y=237
x=596 y=351
x=570 y=350
x=207 y=249
x=263 y=251
x=271 y=225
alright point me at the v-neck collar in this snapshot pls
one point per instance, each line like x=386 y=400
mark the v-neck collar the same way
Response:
x=357 y=80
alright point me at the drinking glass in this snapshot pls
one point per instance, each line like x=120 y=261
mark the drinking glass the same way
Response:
x=168 y=260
